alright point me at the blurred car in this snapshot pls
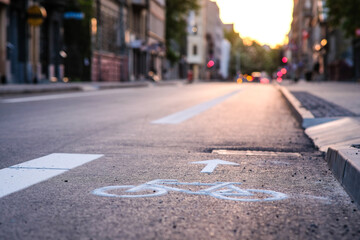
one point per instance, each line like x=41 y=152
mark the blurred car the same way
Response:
x=256 y=76
x=264 y=80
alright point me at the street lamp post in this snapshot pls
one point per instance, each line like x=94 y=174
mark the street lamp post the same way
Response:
x=99 y=37
x=122 y=39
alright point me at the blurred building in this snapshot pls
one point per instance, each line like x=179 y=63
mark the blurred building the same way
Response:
x=137 y=38
x=98 y=40
x=30 y=41
x=109 y=58
x=146 y=38
x=205 y=41
x=228 y=27
x=214 y=38
x=225 y=59
x=299 y=42
x=51 y=42
x=196 y=40
x=156 y=37
x=17 y=39
x=3 y=23
x=316 y=50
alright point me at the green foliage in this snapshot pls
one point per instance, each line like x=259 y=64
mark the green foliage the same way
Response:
x=176 y=23
x=344 y=13
x=253 y=57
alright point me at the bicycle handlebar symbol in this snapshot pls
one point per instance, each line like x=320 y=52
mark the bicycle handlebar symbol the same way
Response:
x=220 y=190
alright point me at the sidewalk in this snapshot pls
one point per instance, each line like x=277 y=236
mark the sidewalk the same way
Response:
x=14 y=89
x=330 y=114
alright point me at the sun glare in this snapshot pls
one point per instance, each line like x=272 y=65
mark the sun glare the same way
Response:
x=266 y=21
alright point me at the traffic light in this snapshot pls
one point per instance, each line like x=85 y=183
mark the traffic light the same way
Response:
x=284 y=60
x=210 y=64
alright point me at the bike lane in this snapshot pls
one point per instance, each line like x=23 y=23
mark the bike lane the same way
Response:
x=261 y=137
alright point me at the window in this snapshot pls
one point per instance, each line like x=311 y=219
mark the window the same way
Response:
x=195 y=50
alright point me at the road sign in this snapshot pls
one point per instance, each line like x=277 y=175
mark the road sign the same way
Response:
x=74 y=15
x=36 y=15
x=212 y=164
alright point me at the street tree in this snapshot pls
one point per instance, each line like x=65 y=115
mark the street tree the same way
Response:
x=176 y=23
x=252 y=56
x=344 y=13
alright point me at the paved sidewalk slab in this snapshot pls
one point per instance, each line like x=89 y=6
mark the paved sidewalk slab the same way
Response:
x=342 y=132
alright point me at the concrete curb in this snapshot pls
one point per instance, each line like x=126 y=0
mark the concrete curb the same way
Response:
x=345 y=164
x=301 y=113
x=335 y=137
x=17 y=89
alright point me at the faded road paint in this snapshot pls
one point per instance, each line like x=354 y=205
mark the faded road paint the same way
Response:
x=220 y=190
x=186 y=114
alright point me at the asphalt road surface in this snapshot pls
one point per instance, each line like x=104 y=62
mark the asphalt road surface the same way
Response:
x=129 y=164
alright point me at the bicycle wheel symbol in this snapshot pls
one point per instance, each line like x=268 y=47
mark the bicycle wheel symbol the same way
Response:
x=268 y=195
x=220 y=190
x=104 y=191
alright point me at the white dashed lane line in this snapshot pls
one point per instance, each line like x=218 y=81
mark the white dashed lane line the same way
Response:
x=186 y=114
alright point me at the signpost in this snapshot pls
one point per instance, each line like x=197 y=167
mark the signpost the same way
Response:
x=36 y=15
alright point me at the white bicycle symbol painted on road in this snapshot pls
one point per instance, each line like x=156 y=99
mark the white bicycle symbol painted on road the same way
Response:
x=220 y=190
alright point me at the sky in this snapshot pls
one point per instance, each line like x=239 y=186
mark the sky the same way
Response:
x=266 y=21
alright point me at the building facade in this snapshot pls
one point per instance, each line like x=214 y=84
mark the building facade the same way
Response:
x=196 y=40
x=146 y=39
x=137 y=39
x=225 y=59
x=109 y=57
x=214 y=38
x=29 y=50
x=3 y=37
x=205 y=42
x=156 y=37
x=316 y=50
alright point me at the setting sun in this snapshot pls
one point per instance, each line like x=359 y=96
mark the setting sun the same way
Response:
x=267 y=22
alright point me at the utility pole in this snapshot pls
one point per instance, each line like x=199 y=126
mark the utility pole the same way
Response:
x=99 y=37
x=122 y=39
x=238 y=63
x=122 y=27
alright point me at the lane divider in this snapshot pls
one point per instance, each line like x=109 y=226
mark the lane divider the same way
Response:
x=186 y=114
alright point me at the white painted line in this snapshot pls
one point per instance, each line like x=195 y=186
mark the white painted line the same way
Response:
x=24 y=175
x=212 y=164
x=186 y=114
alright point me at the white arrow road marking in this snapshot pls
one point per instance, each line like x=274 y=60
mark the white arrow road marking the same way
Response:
x=212 y=164
x=24 y=175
